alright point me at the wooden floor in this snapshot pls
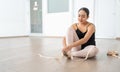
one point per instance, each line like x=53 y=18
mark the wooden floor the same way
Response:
x=21 y=55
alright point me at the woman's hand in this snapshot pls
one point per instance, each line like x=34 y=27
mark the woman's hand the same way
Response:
x=66 y=49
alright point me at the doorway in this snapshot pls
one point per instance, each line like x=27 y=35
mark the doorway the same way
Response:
x=36 y=16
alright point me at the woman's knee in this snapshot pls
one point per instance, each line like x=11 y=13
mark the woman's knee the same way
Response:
x=93 y=52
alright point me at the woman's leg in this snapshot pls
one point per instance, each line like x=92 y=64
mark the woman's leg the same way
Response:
x=90 y=50
x=71 y=37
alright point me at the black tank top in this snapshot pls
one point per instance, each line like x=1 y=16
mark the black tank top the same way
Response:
x=91 y=41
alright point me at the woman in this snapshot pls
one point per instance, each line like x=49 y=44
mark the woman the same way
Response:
x=80 y=38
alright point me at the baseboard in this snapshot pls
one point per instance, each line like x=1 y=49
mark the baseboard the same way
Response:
x=48 y=36
x=14 y=36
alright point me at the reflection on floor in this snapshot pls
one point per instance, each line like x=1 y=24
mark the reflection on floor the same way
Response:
x=21 y=55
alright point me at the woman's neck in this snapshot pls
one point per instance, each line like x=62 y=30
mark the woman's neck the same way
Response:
x=83 y=24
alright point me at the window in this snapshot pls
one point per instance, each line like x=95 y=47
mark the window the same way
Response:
x=55 y=6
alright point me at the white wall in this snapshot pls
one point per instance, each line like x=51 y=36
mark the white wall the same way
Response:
x=14 y=18
x=118 y=18
x=56 y=24
x=105 y=18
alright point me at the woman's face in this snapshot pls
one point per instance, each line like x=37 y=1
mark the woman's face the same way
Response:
x=82 y=16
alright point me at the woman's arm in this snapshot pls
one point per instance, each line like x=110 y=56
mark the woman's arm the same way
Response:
x=90 y=31
x=64 y=42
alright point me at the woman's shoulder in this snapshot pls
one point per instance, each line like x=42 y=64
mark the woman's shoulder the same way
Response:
x=91 y=23
x=91 y=26
x=74 y=26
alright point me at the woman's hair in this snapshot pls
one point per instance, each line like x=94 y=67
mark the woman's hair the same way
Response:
x=84 y=9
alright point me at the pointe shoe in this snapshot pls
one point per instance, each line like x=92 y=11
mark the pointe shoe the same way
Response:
x=112 y=53
x=67 y=54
